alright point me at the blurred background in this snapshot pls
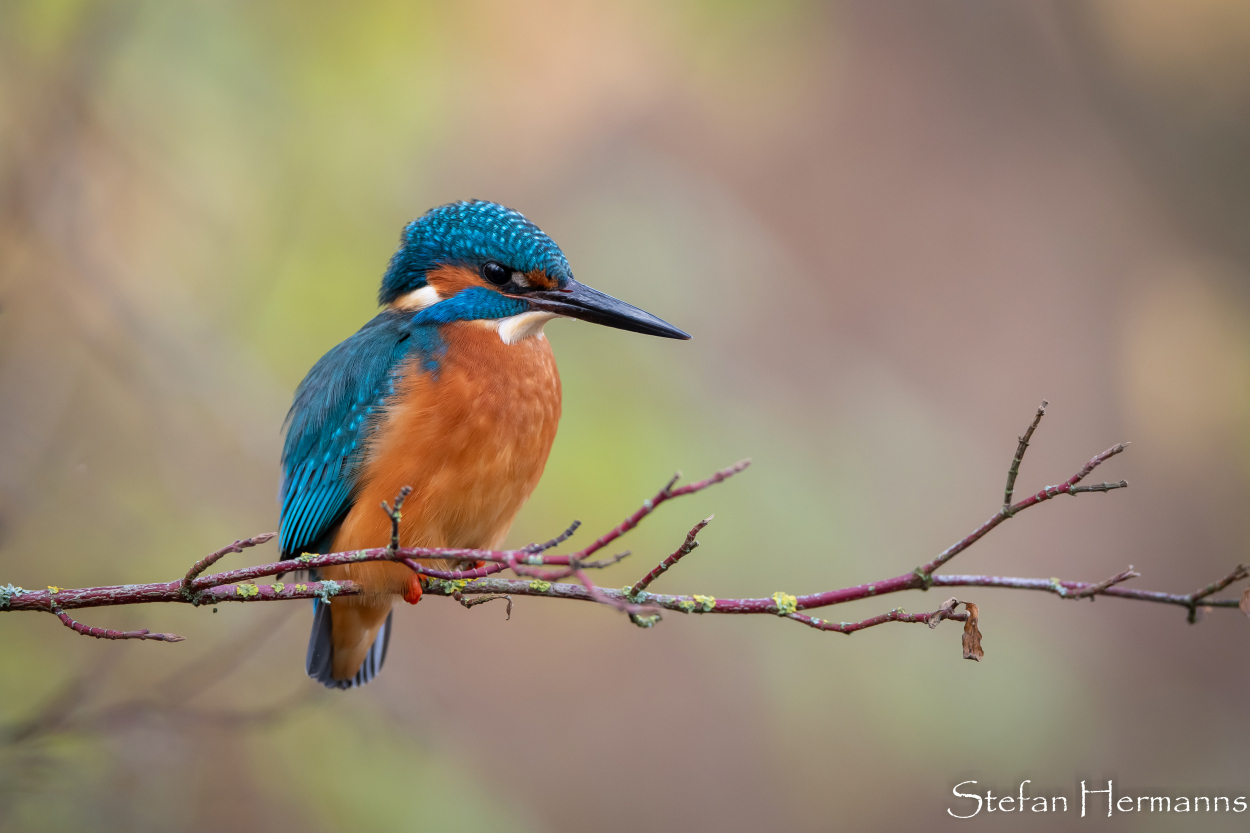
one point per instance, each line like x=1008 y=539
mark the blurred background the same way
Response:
x=893 y=228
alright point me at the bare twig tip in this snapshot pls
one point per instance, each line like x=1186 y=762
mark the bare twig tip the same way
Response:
x=642 y=607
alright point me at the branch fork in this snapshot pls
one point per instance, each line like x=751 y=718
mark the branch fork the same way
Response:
x=540 y=571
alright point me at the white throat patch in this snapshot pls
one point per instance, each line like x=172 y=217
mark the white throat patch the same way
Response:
x=426 y=296
x=519 y=327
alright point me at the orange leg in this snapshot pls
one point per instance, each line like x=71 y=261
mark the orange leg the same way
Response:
x=412 y=591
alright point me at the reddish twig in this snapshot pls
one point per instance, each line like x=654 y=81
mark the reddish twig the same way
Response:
x=685 y=549
x=396 y=515
x=105 y=633
x=665 y=494
x=212 y=558
x=1238 y=573
x=468 y=602
x=971 y=638
x=1019 y=458
x=540 y=570
x=1102 y=586
x=643 y=615
x=1069 y=487
x=554 y=542
x=770 y=605
x=171 y=591
x=895 y=615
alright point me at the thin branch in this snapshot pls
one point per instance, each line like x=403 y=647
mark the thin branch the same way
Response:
x=468 y=602
x=1239 y=573
x=1067 y=487
x=665 y=494
x=554 y=542
x=1068 y=589
x=1102 y=586
x=212 y=558
x=105 y=633
x=895 y=615
x=1098 y=487
x=1019 y=458
x=606 y=562
x=171 y=591
x=643 y=615
x=396 y=515
x=685 y=549
x=540 y=569
x=770 y=604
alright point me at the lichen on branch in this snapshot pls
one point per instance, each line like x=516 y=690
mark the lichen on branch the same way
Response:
x=541 y=572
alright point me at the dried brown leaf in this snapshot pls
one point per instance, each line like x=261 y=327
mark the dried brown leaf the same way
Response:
x=1245 y=601
x=947 y=607
x=972 y=635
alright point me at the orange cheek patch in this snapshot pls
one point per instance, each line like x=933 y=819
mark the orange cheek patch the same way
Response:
x=449 y=280
x=412 y=591
x=538 y=279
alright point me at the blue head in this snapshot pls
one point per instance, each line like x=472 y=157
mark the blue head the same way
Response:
x=480 y=250
x=470 y=234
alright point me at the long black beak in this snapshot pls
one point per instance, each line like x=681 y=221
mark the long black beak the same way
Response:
x=576 y=300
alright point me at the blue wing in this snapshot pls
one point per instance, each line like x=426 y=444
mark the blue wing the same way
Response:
x=339 y=402
x=336 y=408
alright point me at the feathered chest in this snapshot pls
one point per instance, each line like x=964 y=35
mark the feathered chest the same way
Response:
x=471 y=436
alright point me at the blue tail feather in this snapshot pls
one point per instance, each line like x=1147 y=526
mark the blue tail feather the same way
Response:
x=318 y=662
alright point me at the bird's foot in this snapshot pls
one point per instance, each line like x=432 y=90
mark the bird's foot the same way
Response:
x=412 y=592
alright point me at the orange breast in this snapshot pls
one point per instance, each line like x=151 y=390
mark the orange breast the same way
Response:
x=471 y=441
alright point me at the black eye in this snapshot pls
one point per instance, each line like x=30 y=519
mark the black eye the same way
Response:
x=495 y=273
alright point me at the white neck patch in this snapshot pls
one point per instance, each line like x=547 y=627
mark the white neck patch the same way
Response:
x=513 y=329
x=426 y=296
x=519 y=327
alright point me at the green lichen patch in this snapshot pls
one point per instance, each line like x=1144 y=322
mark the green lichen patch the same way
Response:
x=278 y=588
x=446 y=586
x=9 y=592
x=540 y=586
x=327 y=589
x=247 y=591
x=786 y=604
x=636 y=598
x=301 y=588
x=706 y=603
x=688 y=605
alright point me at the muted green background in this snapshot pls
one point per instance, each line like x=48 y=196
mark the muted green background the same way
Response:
x=892 y=228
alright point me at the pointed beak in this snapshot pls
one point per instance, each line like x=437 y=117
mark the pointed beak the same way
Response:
x=576 y=300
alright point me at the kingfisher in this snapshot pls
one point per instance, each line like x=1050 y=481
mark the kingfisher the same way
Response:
x=452 y=390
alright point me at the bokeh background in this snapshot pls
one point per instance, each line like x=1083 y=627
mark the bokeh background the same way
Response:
x=893 y=228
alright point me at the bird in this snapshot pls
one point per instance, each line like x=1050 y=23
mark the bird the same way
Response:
x=452 y=390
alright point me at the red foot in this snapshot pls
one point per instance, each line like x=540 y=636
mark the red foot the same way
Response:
x=412 y=593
